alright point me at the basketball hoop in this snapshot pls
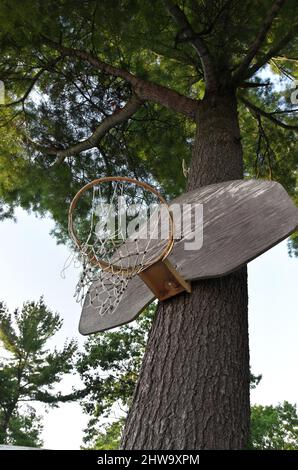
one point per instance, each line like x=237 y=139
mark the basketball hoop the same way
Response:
x=89 y=250
x=119 y=242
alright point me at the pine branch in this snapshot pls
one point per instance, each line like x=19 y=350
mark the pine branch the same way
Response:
x=144 y=89
x=260 y=112
x=28 y=91
x=285 y=111
x=270 y=54
x=120 y=115
x=284 y=58
x=196 y=41
x=257 y=43
x=253 y=85
x=32 y=84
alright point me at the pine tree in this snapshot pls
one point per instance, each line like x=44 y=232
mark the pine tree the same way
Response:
x=135 y=88
x=29 y=370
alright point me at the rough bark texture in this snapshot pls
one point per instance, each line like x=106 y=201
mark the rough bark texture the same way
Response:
x=193 y=389
x=217 y=153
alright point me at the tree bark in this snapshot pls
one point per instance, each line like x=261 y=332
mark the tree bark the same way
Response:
x=193 y=388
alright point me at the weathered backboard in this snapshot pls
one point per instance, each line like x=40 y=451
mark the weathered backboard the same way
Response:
x=241 y=220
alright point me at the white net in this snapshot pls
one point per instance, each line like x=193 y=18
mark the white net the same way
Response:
x=120 y=228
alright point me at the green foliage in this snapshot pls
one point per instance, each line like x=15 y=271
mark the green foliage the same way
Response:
x=270 y=152
x=293 y=246
x=55 y=101
x=109 y=368
x=109 y=438
x=274 y=427
x=29 y=371
x=254 y=380
x=70 y=97
x=24 y=429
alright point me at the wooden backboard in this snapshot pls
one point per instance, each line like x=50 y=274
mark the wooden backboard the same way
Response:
x=241 y=220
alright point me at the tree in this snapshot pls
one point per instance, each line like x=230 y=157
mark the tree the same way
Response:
x=29 y=371
x=109 y=366
x=110 y=373
x=135 y=87
x=109 y=438
x=25 y=428
x=274 y=427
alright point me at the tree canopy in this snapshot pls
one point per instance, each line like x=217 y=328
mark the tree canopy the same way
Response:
x=115 y=87
x=29 y=370
x=109 y=366
x=112 y=87
x=274 y=427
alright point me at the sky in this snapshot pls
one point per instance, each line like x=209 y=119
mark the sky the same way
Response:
x=31 y=264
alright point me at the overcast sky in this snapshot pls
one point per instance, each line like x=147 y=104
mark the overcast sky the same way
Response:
x=31 y=263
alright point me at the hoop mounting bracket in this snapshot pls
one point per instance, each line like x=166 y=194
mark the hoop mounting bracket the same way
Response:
x=163 y=280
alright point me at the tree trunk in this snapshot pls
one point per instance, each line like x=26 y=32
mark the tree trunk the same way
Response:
x=4 y=424
x=193 y=388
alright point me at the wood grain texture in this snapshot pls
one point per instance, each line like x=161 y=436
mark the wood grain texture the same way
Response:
x=164 y=280
x=241 y=220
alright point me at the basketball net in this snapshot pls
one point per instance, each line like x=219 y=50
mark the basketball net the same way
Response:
x=121 y=234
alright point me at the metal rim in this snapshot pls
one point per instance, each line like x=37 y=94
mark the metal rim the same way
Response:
x=113 y=268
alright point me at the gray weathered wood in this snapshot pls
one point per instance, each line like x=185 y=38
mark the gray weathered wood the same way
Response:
x=241 y=220
x=134 y=300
